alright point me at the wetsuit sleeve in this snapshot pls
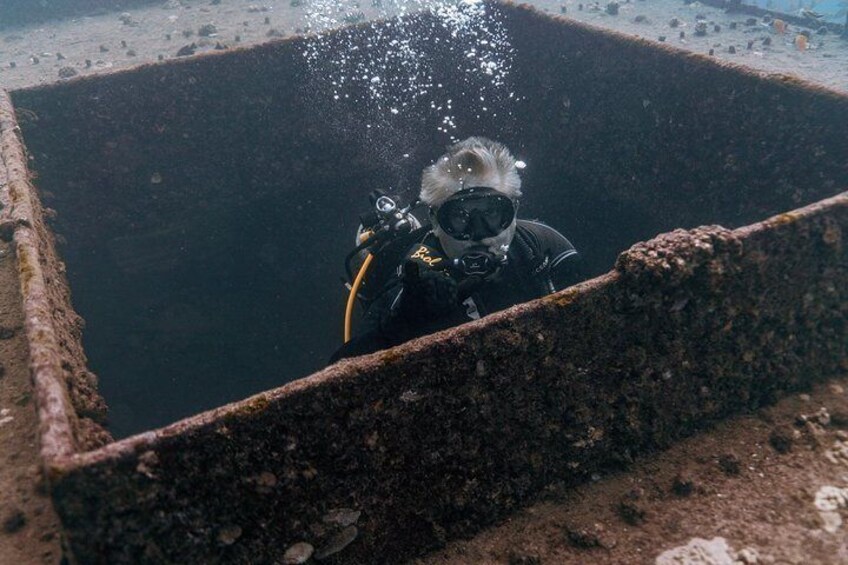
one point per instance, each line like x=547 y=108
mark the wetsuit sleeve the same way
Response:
x=564 y=265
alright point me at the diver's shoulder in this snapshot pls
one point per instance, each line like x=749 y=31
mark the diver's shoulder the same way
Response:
x=542 y=231
x=548 y=241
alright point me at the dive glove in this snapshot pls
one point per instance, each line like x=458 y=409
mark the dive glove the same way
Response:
x=428 y=293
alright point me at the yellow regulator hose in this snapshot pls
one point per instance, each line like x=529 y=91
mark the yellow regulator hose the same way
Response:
x=354 y=289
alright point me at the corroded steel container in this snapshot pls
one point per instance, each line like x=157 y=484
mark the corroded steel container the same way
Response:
x=742 y=297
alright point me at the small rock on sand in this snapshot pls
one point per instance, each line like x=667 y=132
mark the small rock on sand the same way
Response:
x=229 y=535
x=337 y=542
x=298 y=553
x=781 y=439
x=698 y=552
x=14 y=521
x=67 y=72
x=342 y=517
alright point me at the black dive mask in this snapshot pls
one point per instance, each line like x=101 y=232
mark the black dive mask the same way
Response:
x=475 y=214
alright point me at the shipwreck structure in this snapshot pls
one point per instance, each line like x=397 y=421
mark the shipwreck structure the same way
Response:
x=188 y=200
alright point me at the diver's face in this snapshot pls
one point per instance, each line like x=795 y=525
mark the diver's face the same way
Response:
x=475 y=219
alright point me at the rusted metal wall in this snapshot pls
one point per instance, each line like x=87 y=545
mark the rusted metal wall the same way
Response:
x=446 y=434
x=441 y=436
x=70 y=408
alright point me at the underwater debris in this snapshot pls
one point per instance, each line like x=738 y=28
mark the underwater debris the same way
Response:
x=342 y=517
x=673 y=22
x=589 y=537
x=781 y=439
x=683 y=484
x=779 y=26
x=67 y=72
x=127 y=19
x=187 y=50
x=701 y=29
x=207 y=30
x=298 y=553
x=630 y=509
x=698 y=550
x=612 y=8
x=7 y=333
x=337 y=542
x=14 y=521
x=228 y=535
x=729 y=464
x=801 y=42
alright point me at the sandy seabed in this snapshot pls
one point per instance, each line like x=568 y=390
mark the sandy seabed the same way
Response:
x=36 y=54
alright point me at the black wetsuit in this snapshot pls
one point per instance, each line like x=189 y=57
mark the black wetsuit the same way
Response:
x=540 y=261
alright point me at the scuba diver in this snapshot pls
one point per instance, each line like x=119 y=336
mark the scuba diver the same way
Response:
x=474 y=258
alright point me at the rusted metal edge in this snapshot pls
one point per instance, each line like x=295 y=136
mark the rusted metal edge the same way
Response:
x=362 y=367
x=52 y=401
x=793 y=216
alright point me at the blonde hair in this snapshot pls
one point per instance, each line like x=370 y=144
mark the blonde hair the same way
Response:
x=476 y=161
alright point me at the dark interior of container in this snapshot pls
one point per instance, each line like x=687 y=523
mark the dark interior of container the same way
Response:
x=204 y=207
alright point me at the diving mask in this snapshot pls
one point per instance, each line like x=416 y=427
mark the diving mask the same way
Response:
x=475 y=214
